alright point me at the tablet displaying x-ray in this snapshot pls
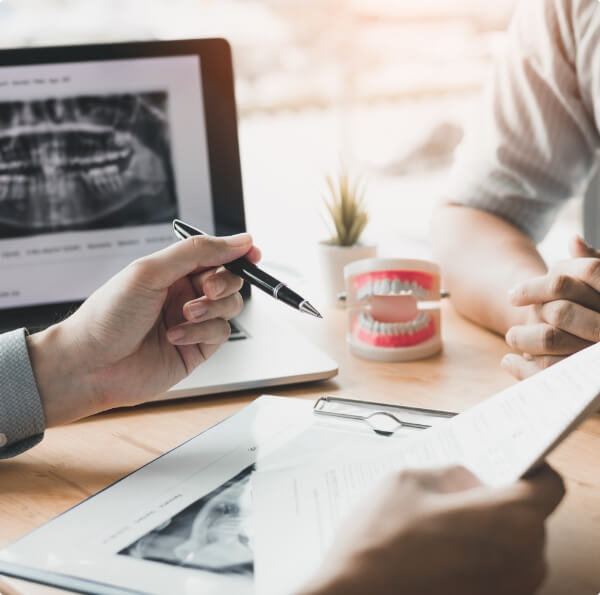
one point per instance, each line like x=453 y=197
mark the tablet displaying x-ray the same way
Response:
x=97 y=157
x=185 y=522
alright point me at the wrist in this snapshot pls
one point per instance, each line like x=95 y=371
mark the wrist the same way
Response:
x=63 y=382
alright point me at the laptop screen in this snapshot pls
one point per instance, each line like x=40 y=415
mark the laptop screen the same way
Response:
x=96 y=159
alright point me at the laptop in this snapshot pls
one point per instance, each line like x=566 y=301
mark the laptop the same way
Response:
x=101 y=147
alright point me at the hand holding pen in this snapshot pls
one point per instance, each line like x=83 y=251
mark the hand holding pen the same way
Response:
x=255 y=276
x=141 y=332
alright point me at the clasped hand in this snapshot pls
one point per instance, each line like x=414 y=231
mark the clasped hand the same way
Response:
x=564 y=313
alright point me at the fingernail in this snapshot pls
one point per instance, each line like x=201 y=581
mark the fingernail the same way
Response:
x=197 y=310
x=239 y=239
x=175 y=334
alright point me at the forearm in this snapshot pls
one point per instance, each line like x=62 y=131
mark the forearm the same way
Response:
x=482 y=257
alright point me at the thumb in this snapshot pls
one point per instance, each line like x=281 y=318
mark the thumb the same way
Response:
x=161 y=269
x=542 y=489
x=579 y=249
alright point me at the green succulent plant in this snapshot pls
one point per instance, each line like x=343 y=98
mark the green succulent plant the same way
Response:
x=345 y=205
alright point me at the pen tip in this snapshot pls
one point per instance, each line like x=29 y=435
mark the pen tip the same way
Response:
x=308 y=308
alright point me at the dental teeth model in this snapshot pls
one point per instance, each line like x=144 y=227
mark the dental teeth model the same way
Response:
x=393 y=308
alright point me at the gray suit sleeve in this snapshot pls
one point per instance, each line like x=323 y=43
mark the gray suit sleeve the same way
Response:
x=22 y=421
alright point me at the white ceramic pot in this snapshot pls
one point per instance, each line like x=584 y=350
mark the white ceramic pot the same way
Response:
x=332 y=260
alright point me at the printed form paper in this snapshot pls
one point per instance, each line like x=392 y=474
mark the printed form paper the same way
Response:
x=298 y=510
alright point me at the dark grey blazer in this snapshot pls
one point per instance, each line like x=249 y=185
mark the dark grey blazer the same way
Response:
x=22 y=420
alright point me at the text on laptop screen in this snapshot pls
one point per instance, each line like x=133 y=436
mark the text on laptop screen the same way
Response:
x=96 y=159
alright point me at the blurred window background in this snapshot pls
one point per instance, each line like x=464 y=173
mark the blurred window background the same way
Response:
x=384 y=86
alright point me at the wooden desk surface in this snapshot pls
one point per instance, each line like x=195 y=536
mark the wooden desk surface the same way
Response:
x=76 y=461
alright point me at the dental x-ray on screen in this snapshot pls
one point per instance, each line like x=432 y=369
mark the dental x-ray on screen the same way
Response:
x=85 y=162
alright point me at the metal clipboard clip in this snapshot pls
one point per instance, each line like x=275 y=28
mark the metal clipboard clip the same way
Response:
x=383 y=418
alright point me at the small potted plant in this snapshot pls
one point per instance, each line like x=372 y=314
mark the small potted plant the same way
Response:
x=347 y=218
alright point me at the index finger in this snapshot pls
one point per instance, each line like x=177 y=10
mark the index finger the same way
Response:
x=577 y=280
x=161 y=269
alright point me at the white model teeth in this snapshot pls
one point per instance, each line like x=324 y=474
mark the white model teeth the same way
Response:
x=367 y=322
x=387 y=287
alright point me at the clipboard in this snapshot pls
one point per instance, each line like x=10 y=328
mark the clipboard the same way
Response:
x=384 y=419
x=137 y=535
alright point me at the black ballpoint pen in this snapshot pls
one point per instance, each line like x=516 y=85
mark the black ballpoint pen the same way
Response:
x=251 y=273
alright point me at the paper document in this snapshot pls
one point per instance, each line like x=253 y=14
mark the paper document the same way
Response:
x=499 y=440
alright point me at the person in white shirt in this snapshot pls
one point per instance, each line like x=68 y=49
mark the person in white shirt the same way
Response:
x=532 y=146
